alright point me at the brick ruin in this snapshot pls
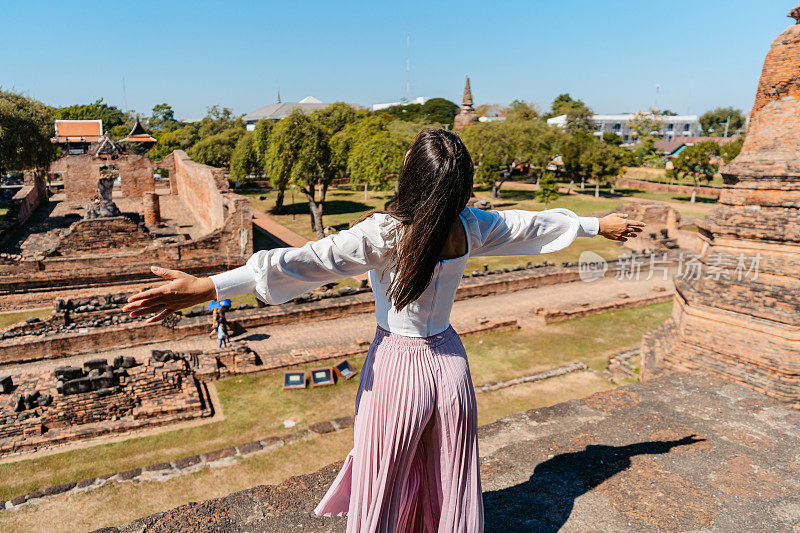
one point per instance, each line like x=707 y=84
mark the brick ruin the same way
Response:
x=739 y=317
x=54 y=406
x=196 y=224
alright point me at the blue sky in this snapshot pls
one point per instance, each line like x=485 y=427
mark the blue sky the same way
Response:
x=610 y=53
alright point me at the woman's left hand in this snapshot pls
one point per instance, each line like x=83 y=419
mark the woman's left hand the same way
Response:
x=182 y=291
x=618 y=227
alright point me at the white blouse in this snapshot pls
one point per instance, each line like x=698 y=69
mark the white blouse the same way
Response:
x=276 y=276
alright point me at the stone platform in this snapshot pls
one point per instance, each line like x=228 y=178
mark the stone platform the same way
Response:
x=676 y=453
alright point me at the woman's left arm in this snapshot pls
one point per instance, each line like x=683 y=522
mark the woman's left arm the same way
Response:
x=518 y=232
x=275 y=276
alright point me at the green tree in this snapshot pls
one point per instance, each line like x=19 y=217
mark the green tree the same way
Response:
x=216 y=150
x=499 y=145
x=572 y=148
x=110 y=115
x=602 y=163
x=646 y=124
x=696 y=161
x=163 y=118
x=720 y=120
x=26 y=126
x=439 y=110
x=521 y=110
x=562 y=104
x=612 y=138
x=374 y=160
x=731 y=149
x=548 y=189
x=491 y=147
x=434 y=110
x=167 y=143
x=245 y=160
x=579 y=119
x=299 y=154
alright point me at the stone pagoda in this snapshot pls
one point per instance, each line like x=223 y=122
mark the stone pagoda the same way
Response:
x=467 y=116
x=737 y=304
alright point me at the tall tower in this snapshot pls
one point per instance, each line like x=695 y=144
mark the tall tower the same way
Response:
x=740 y=317
x=467 y=116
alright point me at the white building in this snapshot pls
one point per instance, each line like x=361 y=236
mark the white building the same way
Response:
x=417 y=100
x=282 y=110
x=672 y=126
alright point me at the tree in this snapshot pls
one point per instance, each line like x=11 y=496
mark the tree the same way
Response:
x=110 y=115
x=562 y=104
x=439 y=110
x=722 y=121
x=499 y=145
x=646 y=124
x=299 y=154
x=572 y=148
x=612 y=138
x=167 y=143
x=488 y=110
x=216 y=150
x=548 y=189
x=163 y=118
x=602 y=163
x=731 y=149
x=521 y=110
x=695 y=161
x=491 y=147
x=579 y=119
x=375 y=159
x=245 y=160
x=26 y=126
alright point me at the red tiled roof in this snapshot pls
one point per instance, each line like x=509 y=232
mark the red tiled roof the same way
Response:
x=78 y=130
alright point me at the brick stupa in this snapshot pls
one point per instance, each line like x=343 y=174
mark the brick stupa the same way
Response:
x=740 y=317
x=467 y=116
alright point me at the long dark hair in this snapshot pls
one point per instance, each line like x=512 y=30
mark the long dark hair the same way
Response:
x=433 y=188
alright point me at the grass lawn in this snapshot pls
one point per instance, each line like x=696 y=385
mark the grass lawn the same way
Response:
x=255 y=406
x=659 y=175
x=12 y=317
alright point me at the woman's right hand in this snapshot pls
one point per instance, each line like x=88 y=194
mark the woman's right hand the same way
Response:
x=617 y=227
x=182 y=291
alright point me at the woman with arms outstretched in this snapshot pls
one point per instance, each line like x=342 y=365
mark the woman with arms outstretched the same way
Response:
x=414 y=465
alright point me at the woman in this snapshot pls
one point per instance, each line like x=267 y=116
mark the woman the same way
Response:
x=414 y=466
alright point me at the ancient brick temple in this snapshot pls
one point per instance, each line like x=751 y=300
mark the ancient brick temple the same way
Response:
x=737 y=313
x=467 y=116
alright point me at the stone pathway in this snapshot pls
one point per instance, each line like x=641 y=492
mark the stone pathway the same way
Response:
x=678 y=453
x=317 y=337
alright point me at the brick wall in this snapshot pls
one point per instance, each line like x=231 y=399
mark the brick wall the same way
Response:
x=136 y=175
x=202 y=187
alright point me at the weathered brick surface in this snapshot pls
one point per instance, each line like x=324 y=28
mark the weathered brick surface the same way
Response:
x=144 y=395
x=746 y=328
x=61 y=255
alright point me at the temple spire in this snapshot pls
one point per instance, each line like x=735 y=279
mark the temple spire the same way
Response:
x=279 y=94
x=467 y=115
x=466 y=100
x=795 y=14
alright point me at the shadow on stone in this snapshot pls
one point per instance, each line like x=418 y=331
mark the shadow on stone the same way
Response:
x=544 y=502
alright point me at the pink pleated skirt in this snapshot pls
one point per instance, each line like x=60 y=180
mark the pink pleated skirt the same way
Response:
x=414 y=465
